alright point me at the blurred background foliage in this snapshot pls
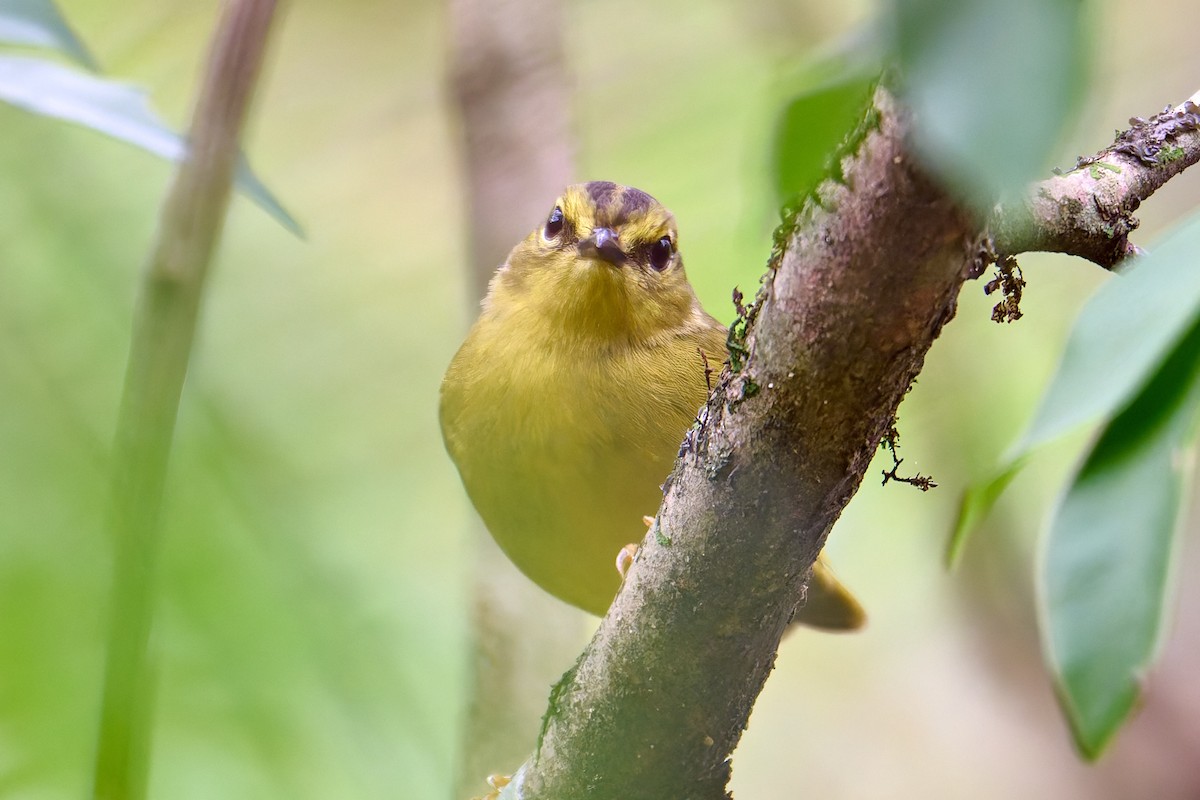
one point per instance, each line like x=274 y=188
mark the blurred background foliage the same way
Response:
x=312 y=619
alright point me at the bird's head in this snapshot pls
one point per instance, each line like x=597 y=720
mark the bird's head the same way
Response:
x=605 y=262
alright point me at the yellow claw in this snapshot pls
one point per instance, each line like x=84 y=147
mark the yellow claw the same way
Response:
x=625 y=558
x=497 y=782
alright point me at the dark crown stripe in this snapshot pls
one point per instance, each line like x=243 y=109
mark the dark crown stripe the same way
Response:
x=634 y=202
x=602 y=193
x=617 y=204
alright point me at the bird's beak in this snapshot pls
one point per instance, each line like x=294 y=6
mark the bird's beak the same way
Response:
x=603 y=244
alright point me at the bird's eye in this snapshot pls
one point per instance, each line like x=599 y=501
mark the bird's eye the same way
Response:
x=661 y=252
x=554 y=225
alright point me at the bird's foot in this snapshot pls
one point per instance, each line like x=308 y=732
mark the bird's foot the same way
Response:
x=497 y=782
x=625 y=558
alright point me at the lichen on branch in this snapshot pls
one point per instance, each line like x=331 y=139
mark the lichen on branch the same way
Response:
x=1088 y=212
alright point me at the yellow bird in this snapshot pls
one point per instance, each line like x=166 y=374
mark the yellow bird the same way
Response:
x=565 y=407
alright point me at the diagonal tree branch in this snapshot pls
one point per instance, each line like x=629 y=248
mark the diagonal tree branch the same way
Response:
x=861 y=282
x=659 y=699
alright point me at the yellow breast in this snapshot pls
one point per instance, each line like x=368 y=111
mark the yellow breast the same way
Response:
x=563 y=450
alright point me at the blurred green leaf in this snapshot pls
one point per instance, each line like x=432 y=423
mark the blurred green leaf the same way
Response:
x=38 y=23
x=1106 y=569
x=1122 y=337
x=830 y=101
x=1118 y=343
x=977 y=502
x=992 y=82
x=116 y=109
x=249 y=184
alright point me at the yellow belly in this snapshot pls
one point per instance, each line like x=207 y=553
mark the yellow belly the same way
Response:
x=561 y=482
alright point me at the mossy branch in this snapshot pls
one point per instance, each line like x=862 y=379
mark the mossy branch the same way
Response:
x=163 y=329
x=866 y=277
x=863 y=282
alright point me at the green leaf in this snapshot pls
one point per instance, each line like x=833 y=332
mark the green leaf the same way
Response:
x=991 y=84
x=1118 y=343
x=249 y=184
x=1105 y=573
x=829 y=102
x=38 y=23
x=1122 y=337
x=116 y=109
x=977 y=502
